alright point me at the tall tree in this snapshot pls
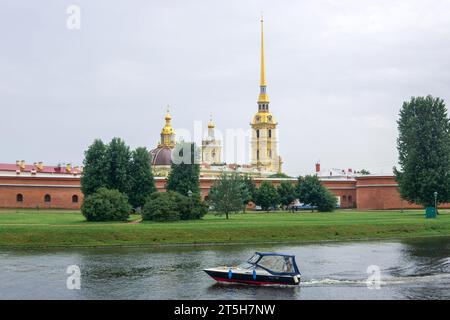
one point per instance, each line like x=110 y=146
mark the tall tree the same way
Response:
x=286 y=193
x=248 y=191
x=424 y=151
x=118 y=158
x=95 y=173
x=185 y=169
x=142 y=182
x=225 y=194
x=311 y=191
x=267 y=196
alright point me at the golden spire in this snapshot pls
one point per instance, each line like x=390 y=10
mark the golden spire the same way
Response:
x=263 y=71
x=263 y=97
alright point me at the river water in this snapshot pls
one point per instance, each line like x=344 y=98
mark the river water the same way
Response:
x=409 y=269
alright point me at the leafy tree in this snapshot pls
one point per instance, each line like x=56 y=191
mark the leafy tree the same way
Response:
x=95 y=171
x=267 y=196
x=424 y=151
x=118 y=158
x=364 y=172
x=192 y=208
x=311 y=191
x=327 y=202
x=185 y=170
x=286 y=193
x=142 y=182
x=248 y=192
x=106 y=205
x=163 y=206
x=226 y=194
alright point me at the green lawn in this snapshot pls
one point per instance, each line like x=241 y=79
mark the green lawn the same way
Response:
x=31 y=228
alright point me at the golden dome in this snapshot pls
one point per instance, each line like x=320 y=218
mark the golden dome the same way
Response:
x=167 y=130
x=167 y=133
x=168 y=127
x=263 y=117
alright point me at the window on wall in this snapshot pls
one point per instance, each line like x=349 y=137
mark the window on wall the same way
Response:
x=74 y=198
x=257 y=133
x=257 y=154
x=344 y=198
x=350 y=199
x=270 y=133
x=19 y=197
x=47 y=198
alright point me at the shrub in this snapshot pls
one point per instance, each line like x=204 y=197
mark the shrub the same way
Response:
x=173 y=206
x=192 y=208
x=327 y=201
x=162 y=206
x=106 y=205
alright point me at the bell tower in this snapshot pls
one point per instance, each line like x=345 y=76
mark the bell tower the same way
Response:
x=264 y=142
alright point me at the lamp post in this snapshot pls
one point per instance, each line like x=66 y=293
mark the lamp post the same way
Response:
x=435 y=202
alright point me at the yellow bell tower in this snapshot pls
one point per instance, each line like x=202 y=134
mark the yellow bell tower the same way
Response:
x=264 y=143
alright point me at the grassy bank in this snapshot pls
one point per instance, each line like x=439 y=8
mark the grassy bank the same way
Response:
x=31 y=228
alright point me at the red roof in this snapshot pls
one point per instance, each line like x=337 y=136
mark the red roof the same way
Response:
x=29 y=168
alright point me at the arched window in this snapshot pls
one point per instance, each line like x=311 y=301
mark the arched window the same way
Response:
x=74 y=198
x=47 y=198
x=350 y=199
x=270 y=133
x=19 y=197
x=344 y=198
x=257 y=133
x=257 y=154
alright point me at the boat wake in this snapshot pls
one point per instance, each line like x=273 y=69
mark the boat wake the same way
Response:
x=436 y=271
x=385 y=281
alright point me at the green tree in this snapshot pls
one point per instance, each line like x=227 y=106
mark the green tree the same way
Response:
x=311 y=191
x=225 y=194
x=267 y=196
x=286 y=193
x=248 y=192
x=424 y=151
x=106 y=205
x=364 y=172
x=163 y=206
x=95 y=171
x=142 y=182
x=327 y=201
x=118 y=158
x=192 y=207
x=185 y=170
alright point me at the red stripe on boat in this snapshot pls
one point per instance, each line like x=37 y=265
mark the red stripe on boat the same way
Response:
x=247 y=281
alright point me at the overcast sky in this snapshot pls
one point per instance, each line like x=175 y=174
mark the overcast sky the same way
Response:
x=337 y=74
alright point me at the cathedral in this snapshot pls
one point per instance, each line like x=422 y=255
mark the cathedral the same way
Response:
x=264 y=162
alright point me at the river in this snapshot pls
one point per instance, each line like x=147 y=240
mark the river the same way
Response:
x=408 y=269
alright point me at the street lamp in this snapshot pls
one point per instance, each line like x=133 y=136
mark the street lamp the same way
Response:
x=435 y=202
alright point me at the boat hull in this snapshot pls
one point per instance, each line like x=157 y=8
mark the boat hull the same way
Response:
x=246 y=278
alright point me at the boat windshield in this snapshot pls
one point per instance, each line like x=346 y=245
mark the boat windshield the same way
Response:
x=272 y=263
x=278 y=264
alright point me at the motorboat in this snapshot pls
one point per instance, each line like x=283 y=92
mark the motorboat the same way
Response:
x=263 y=268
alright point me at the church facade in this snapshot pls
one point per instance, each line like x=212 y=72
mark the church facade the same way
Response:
x=264 y=159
